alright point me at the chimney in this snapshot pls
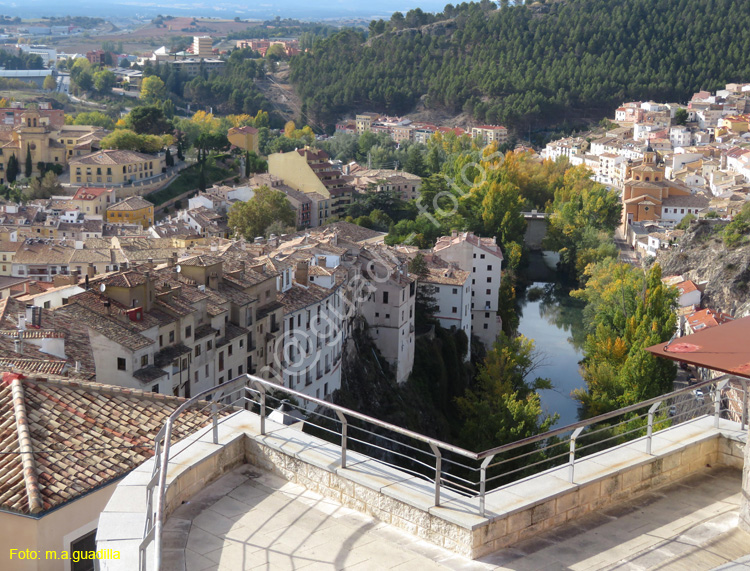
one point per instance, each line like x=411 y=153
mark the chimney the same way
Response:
x=301 y=273
x=213 y=281
x=90 y=270
x=454 y=233
x=150 y=263
x=18 y=343
x=242 y=266
x=173 y=260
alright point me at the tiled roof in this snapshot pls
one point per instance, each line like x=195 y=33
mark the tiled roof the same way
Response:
x=64 y=439
x=45 y=367
x=131 y=203
x=112 y=157
x=90 y=192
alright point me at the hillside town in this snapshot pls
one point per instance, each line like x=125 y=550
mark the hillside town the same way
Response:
x=228 y=307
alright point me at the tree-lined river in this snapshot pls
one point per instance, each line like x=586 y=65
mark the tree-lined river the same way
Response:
x=552 y=319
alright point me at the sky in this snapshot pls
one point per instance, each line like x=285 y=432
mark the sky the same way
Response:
x=301 y=9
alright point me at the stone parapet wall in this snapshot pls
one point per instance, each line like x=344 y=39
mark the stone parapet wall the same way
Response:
x=514 y=512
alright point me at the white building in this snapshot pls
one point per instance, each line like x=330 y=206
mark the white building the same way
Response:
x=450 y=287
x=483 y=258
x=312 y=294
x=680 y=136
x=389 y=309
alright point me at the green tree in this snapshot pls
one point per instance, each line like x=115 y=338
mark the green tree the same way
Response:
x=49 y=83
x=251 y=219
x=103 y=81
x=44 y=187
x=503 y=405
x=94 y=118
x=28 y=165
x=580 y=210
x=11 y=171
x=680 y=116
x=153 y=89
x=626 y=311
x=147 y=120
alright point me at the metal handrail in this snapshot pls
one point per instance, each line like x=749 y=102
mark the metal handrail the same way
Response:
x=258 y=386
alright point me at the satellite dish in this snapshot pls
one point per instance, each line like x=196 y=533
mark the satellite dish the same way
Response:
x=178 y=268
x=102 y=287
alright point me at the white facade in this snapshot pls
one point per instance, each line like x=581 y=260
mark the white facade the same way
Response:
x=483 y=258
x=680 y=136
x=389 y=311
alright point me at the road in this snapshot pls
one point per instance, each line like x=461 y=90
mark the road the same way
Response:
x=626 y=252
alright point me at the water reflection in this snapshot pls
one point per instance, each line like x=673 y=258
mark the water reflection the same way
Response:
x=555 y=321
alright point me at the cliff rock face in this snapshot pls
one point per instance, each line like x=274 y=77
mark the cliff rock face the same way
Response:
x=702 y=256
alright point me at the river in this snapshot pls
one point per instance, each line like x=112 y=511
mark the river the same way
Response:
x=554 y=321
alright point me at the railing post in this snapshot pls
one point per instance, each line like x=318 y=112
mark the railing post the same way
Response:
x=572 y=458
x=214 y=421
x=438 y=471
x=650 y=429
x=344 y=425
x=262 y=391
x=718 y=387
x=483 y=482
x=744 y=403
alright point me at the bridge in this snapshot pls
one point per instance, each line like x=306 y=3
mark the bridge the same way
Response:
x=257 y=485
x=536 y=229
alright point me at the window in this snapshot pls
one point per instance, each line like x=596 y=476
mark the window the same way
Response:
x=489 y=268
x=239 y=370
x=377 y=314
x=229 y=352
x=487 y=314
x=489 y=291
x=385 y=297
x=485 y=326
x=206 y=370
x=387 y=315
x=171 y=336
x=221 y=361
x=241 y=343
x=481 y=256
x=121 y=364
x=83 y=544
x=454 y=310
x=144 y=361
x=489 y=280
x=188 y=331
x=474 y=255
x=155 y=388
x=455 y=291
x=197 y=350
x=209 y=344
x=47 y=304
x=229 y=374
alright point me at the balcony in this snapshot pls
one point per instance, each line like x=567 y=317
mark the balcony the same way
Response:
x=249 y=513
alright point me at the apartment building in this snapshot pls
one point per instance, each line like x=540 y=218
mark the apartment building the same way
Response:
x=114 y=167
x=309 y=171
x=389 y=307
x=487 y=134
x=450 y=287
x=132 y=210
x=483 y=258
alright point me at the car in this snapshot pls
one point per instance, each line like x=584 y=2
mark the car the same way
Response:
x=672 y=410
x=698 y=395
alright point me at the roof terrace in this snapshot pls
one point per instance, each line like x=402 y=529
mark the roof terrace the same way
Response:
x=259 y=489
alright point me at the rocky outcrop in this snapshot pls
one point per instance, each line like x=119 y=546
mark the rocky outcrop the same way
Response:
x=702 y=256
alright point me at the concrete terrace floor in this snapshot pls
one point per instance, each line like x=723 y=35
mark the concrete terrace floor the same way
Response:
x=250 y=520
